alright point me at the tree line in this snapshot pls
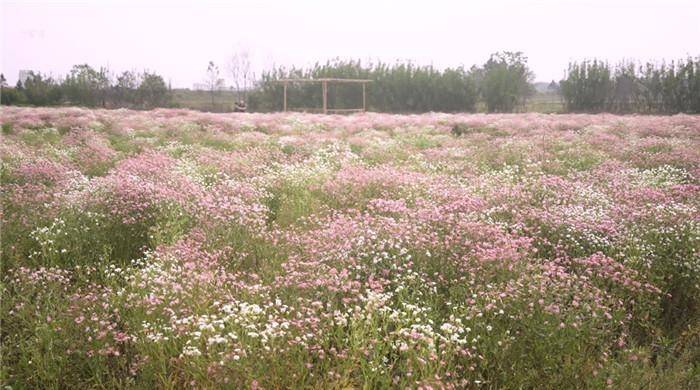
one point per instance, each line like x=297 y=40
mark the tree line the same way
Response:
x=596 y=86
x=503 y=83
x=90 y=87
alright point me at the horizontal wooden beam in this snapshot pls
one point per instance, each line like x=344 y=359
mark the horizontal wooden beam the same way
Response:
x=324 y=85
x=323 y=80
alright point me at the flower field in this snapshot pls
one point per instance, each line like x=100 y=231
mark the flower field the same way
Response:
x=177 y=249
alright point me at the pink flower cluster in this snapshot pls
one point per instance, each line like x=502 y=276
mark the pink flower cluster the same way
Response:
x=173 y=248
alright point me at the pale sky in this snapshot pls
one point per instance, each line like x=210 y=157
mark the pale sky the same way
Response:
x=177 y=38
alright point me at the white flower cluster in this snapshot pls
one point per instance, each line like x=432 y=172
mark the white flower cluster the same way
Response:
x=662 y=176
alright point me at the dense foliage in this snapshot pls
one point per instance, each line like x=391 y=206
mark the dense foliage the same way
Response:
x=177 y=249
x=403 y=87
x=90 y=87
x=503 y=83
x=595 y=86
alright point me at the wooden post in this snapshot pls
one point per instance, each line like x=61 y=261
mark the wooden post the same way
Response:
x=324 y=85
x=325 y=97
x=285 y=96
x=364 y=98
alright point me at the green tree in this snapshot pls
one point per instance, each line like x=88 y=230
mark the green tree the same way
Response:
x=41 y=90
x=506 y=81
x=587 y=86
x=11 y=96
x=625 y=89
x=124 y=90
x=594 y=86
x=152 y=91
x=87 y=86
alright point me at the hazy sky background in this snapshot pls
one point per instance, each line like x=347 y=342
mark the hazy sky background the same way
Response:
x=177 y=38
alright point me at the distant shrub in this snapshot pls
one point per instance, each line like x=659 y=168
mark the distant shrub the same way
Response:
x=11 y=96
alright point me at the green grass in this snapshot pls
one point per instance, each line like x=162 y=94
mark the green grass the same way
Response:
x=201 y=100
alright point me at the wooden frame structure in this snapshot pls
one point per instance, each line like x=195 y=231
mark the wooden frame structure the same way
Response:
x=324 y=85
